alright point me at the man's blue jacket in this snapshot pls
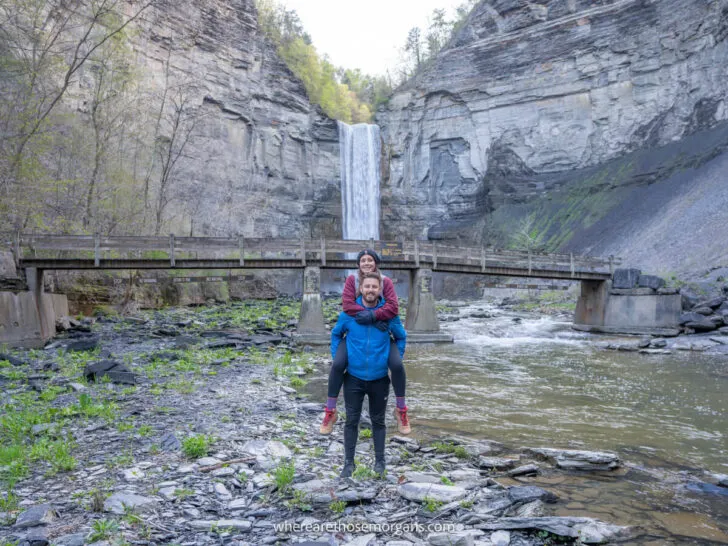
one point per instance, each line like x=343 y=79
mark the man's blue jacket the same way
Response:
x=367 y=346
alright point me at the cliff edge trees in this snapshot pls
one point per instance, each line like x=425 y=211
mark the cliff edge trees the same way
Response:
x=343 y=94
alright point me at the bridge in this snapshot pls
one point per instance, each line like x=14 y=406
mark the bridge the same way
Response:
x=38 y=253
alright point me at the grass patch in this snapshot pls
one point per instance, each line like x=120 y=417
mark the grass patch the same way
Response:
x=196 y=446
x=283 y=475
x=338 y=506
x=445 y=447
x=432 y=505
x=300 y=500
x=364 y=473
x=103 y=529
x=297 y=382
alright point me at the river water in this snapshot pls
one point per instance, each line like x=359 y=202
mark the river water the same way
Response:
x=532 y=381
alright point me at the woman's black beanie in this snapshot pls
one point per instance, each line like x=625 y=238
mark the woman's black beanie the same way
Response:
x=371 y=253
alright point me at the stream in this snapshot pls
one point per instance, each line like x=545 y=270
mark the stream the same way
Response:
x=527 y=380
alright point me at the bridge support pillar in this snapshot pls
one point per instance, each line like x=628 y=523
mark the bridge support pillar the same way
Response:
x=311 y=327
x=43 y=303
x=592 y=303
x=421 y=323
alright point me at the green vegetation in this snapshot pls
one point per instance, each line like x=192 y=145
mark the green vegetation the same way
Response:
x=528 y=237
x=61 y=173
x=365 y=433
x=300 y=500
x=283 y=475
x=338 y=506
x=432 y=505
x=422 y=45
x=297 y=382
x=445 y=447
x=363 y=472
x=445 y=480
x=347 y=95
x=103 y=529
x=196 y=446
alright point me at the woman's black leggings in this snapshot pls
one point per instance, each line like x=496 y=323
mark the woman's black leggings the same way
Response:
x=341 y=362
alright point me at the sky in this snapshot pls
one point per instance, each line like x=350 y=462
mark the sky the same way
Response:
x=365 y=35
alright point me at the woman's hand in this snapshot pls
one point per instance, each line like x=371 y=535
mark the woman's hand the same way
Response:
x=365 y=318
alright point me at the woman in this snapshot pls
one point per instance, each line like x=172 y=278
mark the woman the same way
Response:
x=368 y=261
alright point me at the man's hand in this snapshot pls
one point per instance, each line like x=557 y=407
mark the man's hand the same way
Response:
x=381 y=325
x=365 y=318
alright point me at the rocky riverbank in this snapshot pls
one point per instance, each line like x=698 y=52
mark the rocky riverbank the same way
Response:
x=186 y=426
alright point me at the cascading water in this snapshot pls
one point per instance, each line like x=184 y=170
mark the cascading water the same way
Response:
x=359 y=156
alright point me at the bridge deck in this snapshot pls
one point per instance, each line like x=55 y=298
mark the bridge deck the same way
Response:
x=94 y=252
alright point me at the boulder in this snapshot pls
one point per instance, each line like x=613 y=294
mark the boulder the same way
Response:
x=118 y=503
x=115 y=371
x=625 y=278
x=418 y=492
x=690 y=317
x=651 y=281
x=267 y=453
x=703 y=325
x=88 y=344
x=713 y=303
x=702 y=310
x=326 y=491
x=14 y=361
x=524 y=470
x=690 y=298
x=40 y=514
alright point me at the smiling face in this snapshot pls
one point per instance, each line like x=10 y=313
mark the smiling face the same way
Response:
x=367 y=264
x=370 y=291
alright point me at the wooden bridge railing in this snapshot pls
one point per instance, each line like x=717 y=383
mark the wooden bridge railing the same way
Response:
x=308 y=251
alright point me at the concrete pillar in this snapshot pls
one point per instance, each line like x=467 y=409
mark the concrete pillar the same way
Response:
x=311 y=320
x=421 y=312
x=592 y=303
x=43 y=303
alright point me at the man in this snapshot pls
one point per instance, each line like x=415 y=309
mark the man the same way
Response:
x=368 y=349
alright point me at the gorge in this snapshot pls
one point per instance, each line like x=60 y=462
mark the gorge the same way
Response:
x=553 y=115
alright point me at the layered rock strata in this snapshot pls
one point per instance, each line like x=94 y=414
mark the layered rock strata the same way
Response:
x=531 y=92
x=261 y=160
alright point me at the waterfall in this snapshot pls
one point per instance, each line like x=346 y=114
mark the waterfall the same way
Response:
x=359 y=155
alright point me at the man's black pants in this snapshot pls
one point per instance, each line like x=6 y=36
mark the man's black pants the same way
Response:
x=341 y=362
x=354 y=391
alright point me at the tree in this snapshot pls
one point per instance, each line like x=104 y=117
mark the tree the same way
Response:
x=527 y=236
x=438 y=32
x=348 y=95
x=414 y=47
x=44 y=45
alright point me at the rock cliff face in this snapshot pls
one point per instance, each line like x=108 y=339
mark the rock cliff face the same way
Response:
x=262 y=161
x=533 y=97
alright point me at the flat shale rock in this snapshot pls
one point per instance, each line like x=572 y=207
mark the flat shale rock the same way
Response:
x=576 y=459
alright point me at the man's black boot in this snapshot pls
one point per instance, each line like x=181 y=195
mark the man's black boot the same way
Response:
x=379 y=467
x=348 y=469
